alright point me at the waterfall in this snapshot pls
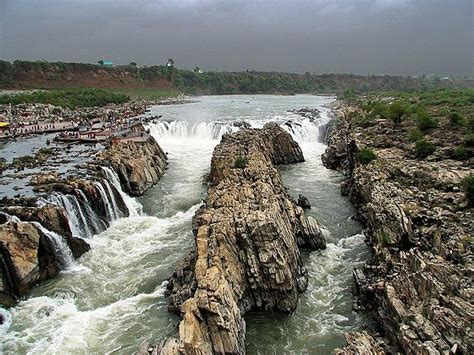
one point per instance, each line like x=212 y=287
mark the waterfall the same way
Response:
x=77 y=222
x=198 y=130
x=133 y=206
x=98 y=224
x=301 y=128
x=113 y=201
x=61 y=248
x=109 y=210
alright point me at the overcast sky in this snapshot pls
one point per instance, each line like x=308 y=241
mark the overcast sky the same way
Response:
x=405 y=37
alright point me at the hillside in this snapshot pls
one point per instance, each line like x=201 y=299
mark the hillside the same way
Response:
x=25 y=75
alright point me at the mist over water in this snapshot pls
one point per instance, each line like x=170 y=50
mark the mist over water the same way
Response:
x=111 y=299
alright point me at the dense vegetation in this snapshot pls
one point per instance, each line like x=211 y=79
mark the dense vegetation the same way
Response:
x=71 y=98
x=196 y=82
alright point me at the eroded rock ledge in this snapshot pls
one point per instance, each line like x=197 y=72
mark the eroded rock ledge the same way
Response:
x=247 y=236
x=419 y=283
x=139 y=166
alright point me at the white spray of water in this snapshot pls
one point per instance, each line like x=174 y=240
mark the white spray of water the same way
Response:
x=77 y=221
x=109 y=209
x=61 y=248
x=133 y=206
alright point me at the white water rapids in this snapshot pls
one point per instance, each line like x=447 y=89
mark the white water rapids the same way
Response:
x=112 y=300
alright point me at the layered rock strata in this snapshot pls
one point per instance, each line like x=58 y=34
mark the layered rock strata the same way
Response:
x=247 y=236
x=139 y=166
x=419 y=224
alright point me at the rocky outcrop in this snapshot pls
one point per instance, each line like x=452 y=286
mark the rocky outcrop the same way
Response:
x=52 y=218
x=417 y=220
x=36 y=240
x=358 y=343
x=29 y=252
x=139 y=165
x=247 y=236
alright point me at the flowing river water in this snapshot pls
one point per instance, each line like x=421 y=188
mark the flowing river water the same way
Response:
x=111 y=299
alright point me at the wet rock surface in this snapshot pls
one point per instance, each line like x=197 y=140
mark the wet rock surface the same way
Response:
x=84 y=198
x=247 y=236
x=417 y=220
x=138 y=165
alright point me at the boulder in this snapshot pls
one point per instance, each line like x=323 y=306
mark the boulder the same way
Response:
x=139 y=165
x=27 y=257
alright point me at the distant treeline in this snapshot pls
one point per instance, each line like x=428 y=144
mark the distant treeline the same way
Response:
x=56 y=75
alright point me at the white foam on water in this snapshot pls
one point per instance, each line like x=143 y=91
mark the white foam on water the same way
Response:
x=97 y=301
x=78 y=329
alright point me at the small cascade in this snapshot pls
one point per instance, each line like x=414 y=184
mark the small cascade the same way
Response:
x=109 y=210
x=113 y=201
x=133 y=206
x=96 y=223
x=78 y=223
x=10 y=218
x=61 y=248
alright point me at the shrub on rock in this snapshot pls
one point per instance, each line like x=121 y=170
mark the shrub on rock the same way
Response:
x=455 y=119
x=397 y=111
x=424 y=122
x=415 y=134
x=461 y=153
x=424 y=148
x=366 y=155
x=240 y=163
x=469 y=188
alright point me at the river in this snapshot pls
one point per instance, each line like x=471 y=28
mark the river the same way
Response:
x=111 y=299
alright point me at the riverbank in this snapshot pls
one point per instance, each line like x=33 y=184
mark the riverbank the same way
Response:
x=48 y=223
x=405 y=176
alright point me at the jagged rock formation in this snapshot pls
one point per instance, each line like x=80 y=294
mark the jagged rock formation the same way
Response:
x=360 y=343
x=247 y=237
x=27 y=254
x=52 y=218
x=417 y=220
x=138 y=165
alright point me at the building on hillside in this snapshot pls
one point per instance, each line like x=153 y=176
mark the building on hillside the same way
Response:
x=106 y=63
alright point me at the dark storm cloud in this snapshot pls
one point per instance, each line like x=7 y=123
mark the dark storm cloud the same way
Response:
x=359 y=36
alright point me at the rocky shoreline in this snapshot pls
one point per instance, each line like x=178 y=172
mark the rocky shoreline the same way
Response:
x=247 y=235
x=417 y=220
x=37 y=232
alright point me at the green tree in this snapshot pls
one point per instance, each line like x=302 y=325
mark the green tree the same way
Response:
x=397 y=111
